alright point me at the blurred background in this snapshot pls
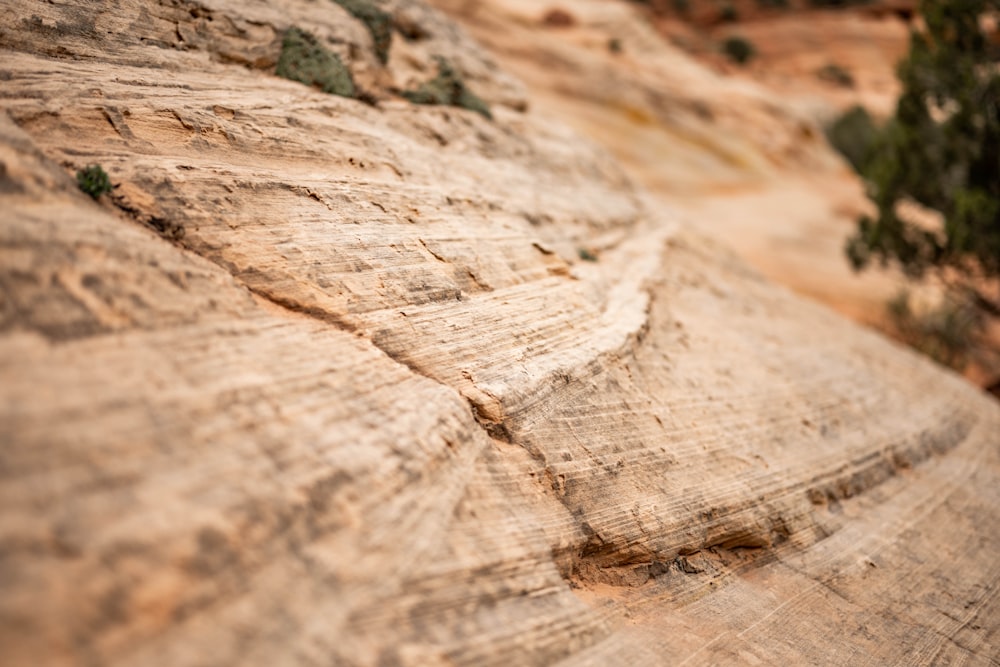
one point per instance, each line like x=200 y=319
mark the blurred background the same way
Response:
x=772 y=126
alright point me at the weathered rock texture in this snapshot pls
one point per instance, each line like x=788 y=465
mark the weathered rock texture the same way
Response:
x=323 y=382
x=740 y=152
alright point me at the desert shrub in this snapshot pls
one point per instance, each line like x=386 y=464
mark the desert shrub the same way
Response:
x=447 y=88
x=941 y=151
x=93 y=180
x=305 y=60
x=738 y=49
x=728 y=13
x=854 y=134
x=378 y=22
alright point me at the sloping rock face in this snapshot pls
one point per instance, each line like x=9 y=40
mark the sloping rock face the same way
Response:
x=738 y=150
x=324 y=381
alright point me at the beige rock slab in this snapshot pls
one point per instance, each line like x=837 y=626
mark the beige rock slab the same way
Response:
x=328 y=383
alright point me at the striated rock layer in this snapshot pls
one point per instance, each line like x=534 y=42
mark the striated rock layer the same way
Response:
x=324 y=381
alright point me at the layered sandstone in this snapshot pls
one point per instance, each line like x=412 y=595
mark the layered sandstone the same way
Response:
x=325 y=381
x=739 y=151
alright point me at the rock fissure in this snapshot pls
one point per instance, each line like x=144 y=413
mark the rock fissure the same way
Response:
x=607 y=562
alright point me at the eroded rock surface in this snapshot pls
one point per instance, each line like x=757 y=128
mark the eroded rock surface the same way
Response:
x=337 y=381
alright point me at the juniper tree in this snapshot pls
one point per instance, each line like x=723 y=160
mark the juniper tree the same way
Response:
x=941 y=150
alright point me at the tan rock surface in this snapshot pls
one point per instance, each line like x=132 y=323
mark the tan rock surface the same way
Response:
x=327 y=383
x=738 y=151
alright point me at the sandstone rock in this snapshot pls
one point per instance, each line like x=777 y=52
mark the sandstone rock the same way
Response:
x=740 y=153
x=325 y=381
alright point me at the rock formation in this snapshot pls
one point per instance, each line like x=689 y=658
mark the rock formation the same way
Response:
x=738 y=151
x=328 y=380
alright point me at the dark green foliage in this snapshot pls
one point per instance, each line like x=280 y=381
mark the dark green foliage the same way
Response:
x=447 y=88
x=854 y=134
x=378 y=22
x=836 y=74
x=942 y=150
x=738 y=49
x=586 y=255
x=305 y=60
x=93 y=180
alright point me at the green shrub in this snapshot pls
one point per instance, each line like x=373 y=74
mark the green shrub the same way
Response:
x=93 y=180
x=378 y=22
x=738 y=49
x=447 y=88
x=941 y=151
x=854 y=135
x=305 y=60
x=728 y=13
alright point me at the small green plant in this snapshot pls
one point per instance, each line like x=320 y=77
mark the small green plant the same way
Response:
x=728 y=13
x=305 y=60
x=378 y=22
x=93 y=180
x=854 y=135
x=738 y=49
x=835 y=74
x=447 y=88
x=586 y=255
